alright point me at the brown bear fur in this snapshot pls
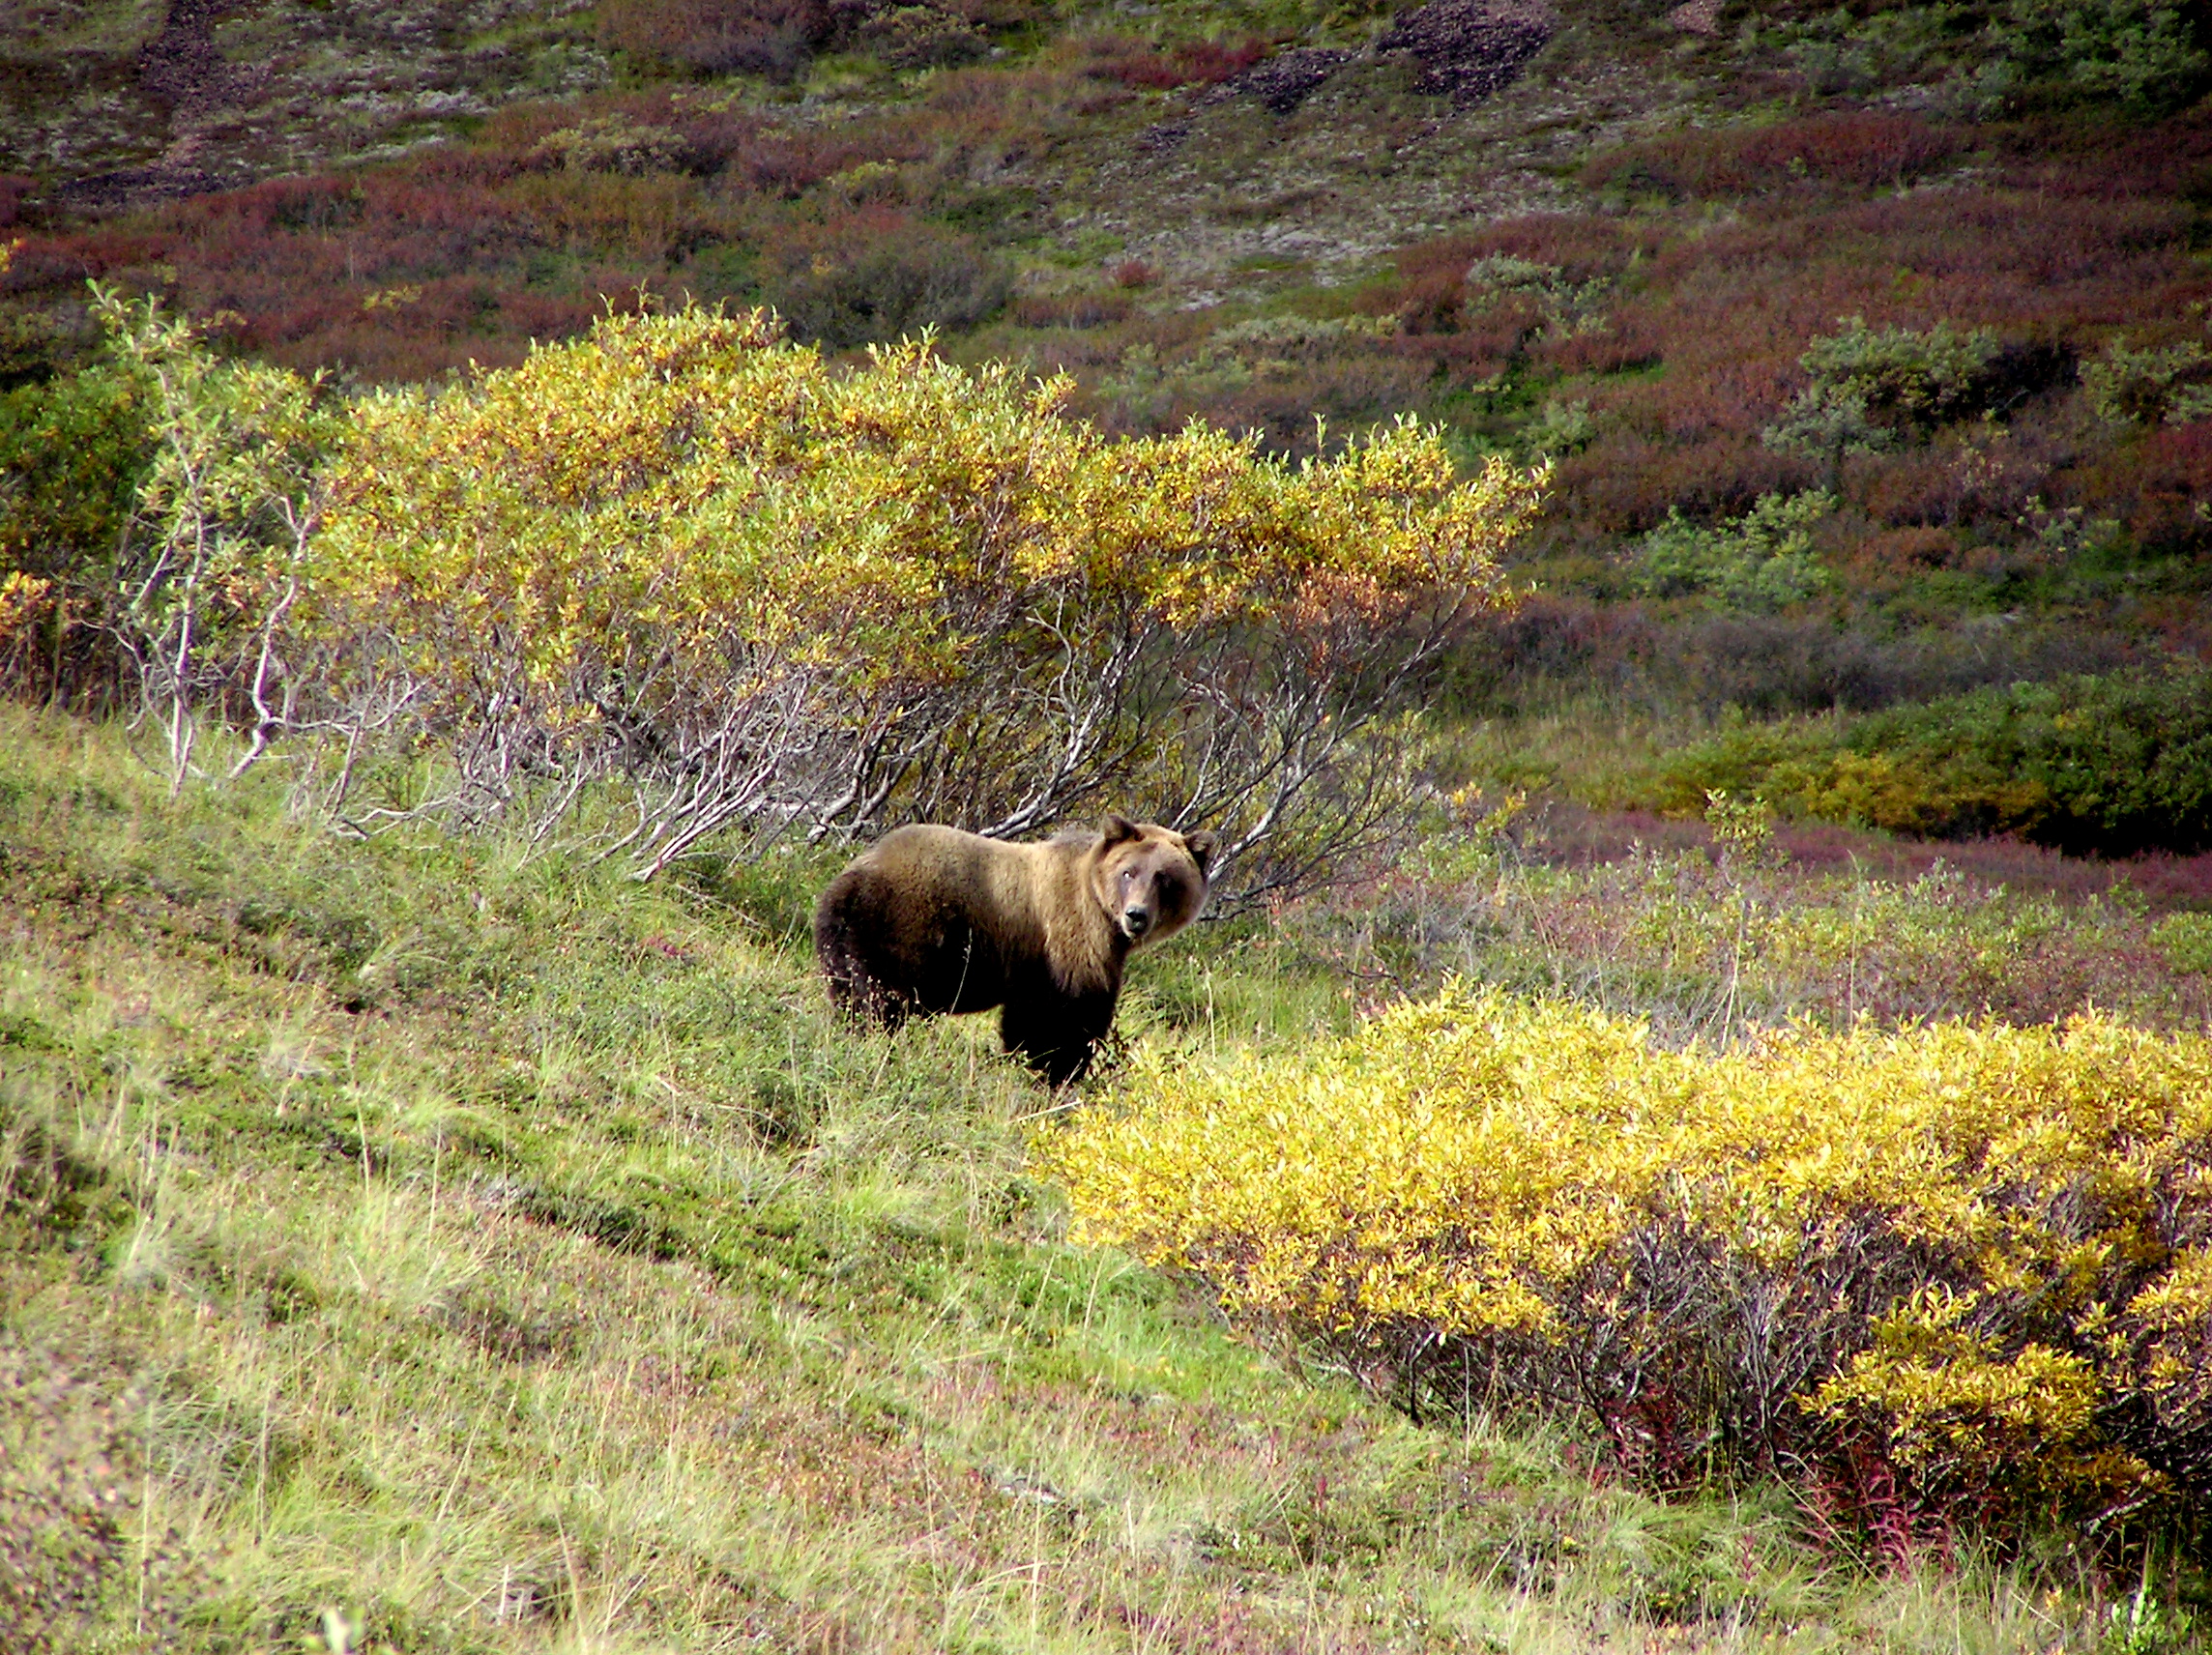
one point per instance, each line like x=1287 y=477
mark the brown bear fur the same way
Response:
x=932 y=920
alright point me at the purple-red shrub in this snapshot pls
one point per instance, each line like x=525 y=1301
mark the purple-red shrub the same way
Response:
x=1145 y=66
x=1070 y=309
x=720 y=37
x=470 y=251
x=2154 y=481
x=1861 y=150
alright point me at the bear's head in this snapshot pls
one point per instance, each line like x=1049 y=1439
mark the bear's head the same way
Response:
x=1150 y=880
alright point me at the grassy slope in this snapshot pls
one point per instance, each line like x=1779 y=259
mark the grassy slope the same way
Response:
x=511 y=1256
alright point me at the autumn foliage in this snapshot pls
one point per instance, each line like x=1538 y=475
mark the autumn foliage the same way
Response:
x=1952 y=1273
x=778 y=595
x=767 y=593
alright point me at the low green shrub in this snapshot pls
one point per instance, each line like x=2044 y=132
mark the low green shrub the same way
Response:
x=879 y=274
x=1873 y=389
x=1760 y=562
x=1569 y=308
x=2155 y=385
x=2186 y=941
x=2112 y=764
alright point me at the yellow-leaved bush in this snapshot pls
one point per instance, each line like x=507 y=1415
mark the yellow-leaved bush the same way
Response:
x=778 y=593
x=1960 y=1267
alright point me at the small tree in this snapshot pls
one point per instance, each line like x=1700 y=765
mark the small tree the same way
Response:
x=1759 y=563
x=210 y=567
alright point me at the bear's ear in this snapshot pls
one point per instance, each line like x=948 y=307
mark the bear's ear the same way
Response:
x=1201 y=846
x=1118 y=828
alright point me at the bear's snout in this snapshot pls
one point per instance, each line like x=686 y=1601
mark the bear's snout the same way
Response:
x=1136 y=920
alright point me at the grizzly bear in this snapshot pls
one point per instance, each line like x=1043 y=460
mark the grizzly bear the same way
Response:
x=932 y=920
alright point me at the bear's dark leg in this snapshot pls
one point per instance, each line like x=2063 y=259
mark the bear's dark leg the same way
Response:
x=1058 y=1037
x=865 y=998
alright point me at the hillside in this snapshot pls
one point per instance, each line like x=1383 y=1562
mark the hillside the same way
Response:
x=502 y=1255
x=1619 y=237
x=1667 y=542
x=1025 y=151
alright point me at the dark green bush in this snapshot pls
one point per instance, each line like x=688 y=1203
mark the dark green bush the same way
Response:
x=2110 y=764
x=1987 y=59
x=73 y=454
x=2142 y=56
x=877 y=274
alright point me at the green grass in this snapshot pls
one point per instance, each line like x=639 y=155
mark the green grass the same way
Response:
x=505 y=1255
x=1718 y=948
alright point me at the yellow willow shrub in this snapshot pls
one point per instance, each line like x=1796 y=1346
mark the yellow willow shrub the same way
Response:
x=1960 y=1269
x=776 y=594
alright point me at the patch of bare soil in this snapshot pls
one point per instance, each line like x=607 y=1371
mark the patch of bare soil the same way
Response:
x=138 y=186
x=1229 y=200
x=1280 y=83
x=1464 y=49
x=181 y=73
